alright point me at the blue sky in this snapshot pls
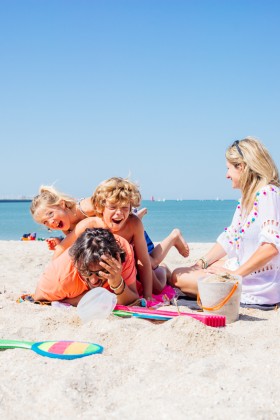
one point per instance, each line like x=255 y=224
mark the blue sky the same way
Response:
x=154 y=89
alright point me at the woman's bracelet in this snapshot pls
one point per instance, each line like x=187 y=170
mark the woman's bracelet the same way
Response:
x=204 y=263
x=116 y=288
x=121 y=290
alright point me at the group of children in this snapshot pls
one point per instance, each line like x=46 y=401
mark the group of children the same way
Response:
x=249 y=247
x=92 y=226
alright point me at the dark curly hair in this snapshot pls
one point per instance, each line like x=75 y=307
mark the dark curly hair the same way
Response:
x=91 y=245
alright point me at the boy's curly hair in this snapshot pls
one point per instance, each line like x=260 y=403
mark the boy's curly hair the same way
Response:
x=115 y=190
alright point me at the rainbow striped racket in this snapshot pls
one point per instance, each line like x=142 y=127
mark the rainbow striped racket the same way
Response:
x=55 y=349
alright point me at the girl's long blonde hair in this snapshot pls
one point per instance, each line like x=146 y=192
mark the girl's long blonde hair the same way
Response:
x=49 y=196
x=259 y=168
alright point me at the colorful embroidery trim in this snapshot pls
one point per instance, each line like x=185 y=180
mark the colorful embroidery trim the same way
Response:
x=234 y=235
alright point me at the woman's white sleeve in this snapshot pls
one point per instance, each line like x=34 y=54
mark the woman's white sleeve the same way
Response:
x=268 y=208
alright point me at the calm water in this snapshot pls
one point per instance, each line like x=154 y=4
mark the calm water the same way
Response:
x=199 y=221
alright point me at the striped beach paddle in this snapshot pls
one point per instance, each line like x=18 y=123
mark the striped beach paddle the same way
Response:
x=55 y=349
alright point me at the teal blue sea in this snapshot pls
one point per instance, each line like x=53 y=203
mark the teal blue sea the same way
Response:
x=199 y=220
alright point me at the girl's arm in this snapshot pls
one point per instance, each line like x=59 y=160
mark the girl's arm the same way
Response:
x=53 y=242
x=90 y=222
x=143 y=263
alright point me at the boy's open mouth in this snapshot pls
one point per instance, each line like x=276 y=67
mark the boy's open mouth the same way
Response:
x=117 y=221
x=60 y=225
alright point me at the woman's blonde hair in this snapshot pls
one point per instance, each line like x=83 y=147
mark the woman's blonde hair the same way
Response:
x=117 y=191
x=49 y=196
x=259 y=168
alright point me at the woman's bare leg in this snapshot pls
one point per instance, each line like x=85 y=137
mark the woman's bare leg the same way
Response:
x=185 y=278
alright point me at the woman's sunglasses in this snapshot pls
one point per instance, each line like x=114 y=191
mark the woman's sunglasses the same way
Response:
x=236 y=144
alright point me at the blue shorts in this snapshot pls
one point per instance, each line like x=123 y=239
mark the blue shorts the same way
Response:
x=149 y=242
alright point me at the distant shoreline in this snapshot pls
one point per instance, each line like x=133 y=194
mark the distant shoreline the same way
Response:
x=14 y=200
x=19 y=200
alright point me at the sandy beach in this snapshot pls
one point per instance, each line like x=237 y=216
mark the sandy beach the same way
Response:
x=176 y=369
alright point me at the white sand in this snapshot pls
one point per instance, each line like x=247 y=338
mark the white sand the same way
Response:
x=174 y=370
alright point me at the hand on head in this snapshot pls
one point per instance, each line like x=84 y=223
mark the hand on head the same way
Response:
x=112 y=270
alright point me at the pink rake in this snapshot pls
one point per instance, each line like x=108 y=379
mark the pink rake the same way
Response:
x=209 y=320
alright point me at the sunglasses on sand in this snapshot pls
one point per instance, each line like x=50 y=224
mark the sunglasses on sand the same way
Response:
x=236 y=144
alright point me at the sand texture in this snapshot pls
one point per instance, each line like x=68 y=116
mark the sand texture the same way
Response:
x=177 y=369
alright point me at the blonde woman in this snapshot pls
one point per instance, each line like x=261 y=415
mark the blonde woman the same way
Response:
x=252 y=242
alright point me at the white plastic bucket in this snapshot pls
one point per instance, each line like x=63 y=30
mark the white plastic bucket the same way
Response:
x=98 y=303
x=221 y=296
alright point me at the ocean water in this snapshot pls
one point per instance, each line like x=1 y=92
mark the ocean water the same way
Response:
x=199 y=220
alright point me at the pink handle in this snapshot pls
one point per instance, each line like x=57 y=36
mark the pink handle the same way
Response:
x=210 y=320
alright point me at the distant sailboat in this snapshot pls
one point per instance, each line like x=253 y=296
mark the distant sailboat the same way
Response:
x=152 y=198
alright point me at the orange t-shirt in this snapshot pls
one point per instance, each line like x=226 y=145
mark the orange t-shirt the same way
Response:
x=61 y=279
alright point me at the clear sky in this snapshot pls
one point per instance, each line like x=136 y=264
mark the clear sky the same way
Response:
x=151 y=89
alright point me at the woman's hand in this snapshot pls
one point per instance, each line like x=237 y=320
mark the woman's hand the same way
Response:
x=219 y=270
x=197 y=266
x=113 y=269
x=125 y=294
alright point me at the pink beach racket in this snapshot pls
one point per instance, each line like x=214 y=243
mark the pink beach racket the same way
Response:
x=55 y=349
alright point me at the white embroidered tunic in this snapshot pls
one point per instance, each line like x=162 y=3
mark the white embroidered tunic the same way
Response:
x=243 y=237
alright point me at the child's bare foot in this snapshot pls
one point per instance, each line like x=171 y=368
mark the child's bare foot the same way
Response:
x=180 y=243
x=140 y=213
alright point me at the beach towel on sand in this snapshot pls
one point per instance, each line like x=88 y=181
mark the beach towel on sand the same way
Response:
x=261 y=307
x=29 y=298
x=192 y=304
x=164 y=298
